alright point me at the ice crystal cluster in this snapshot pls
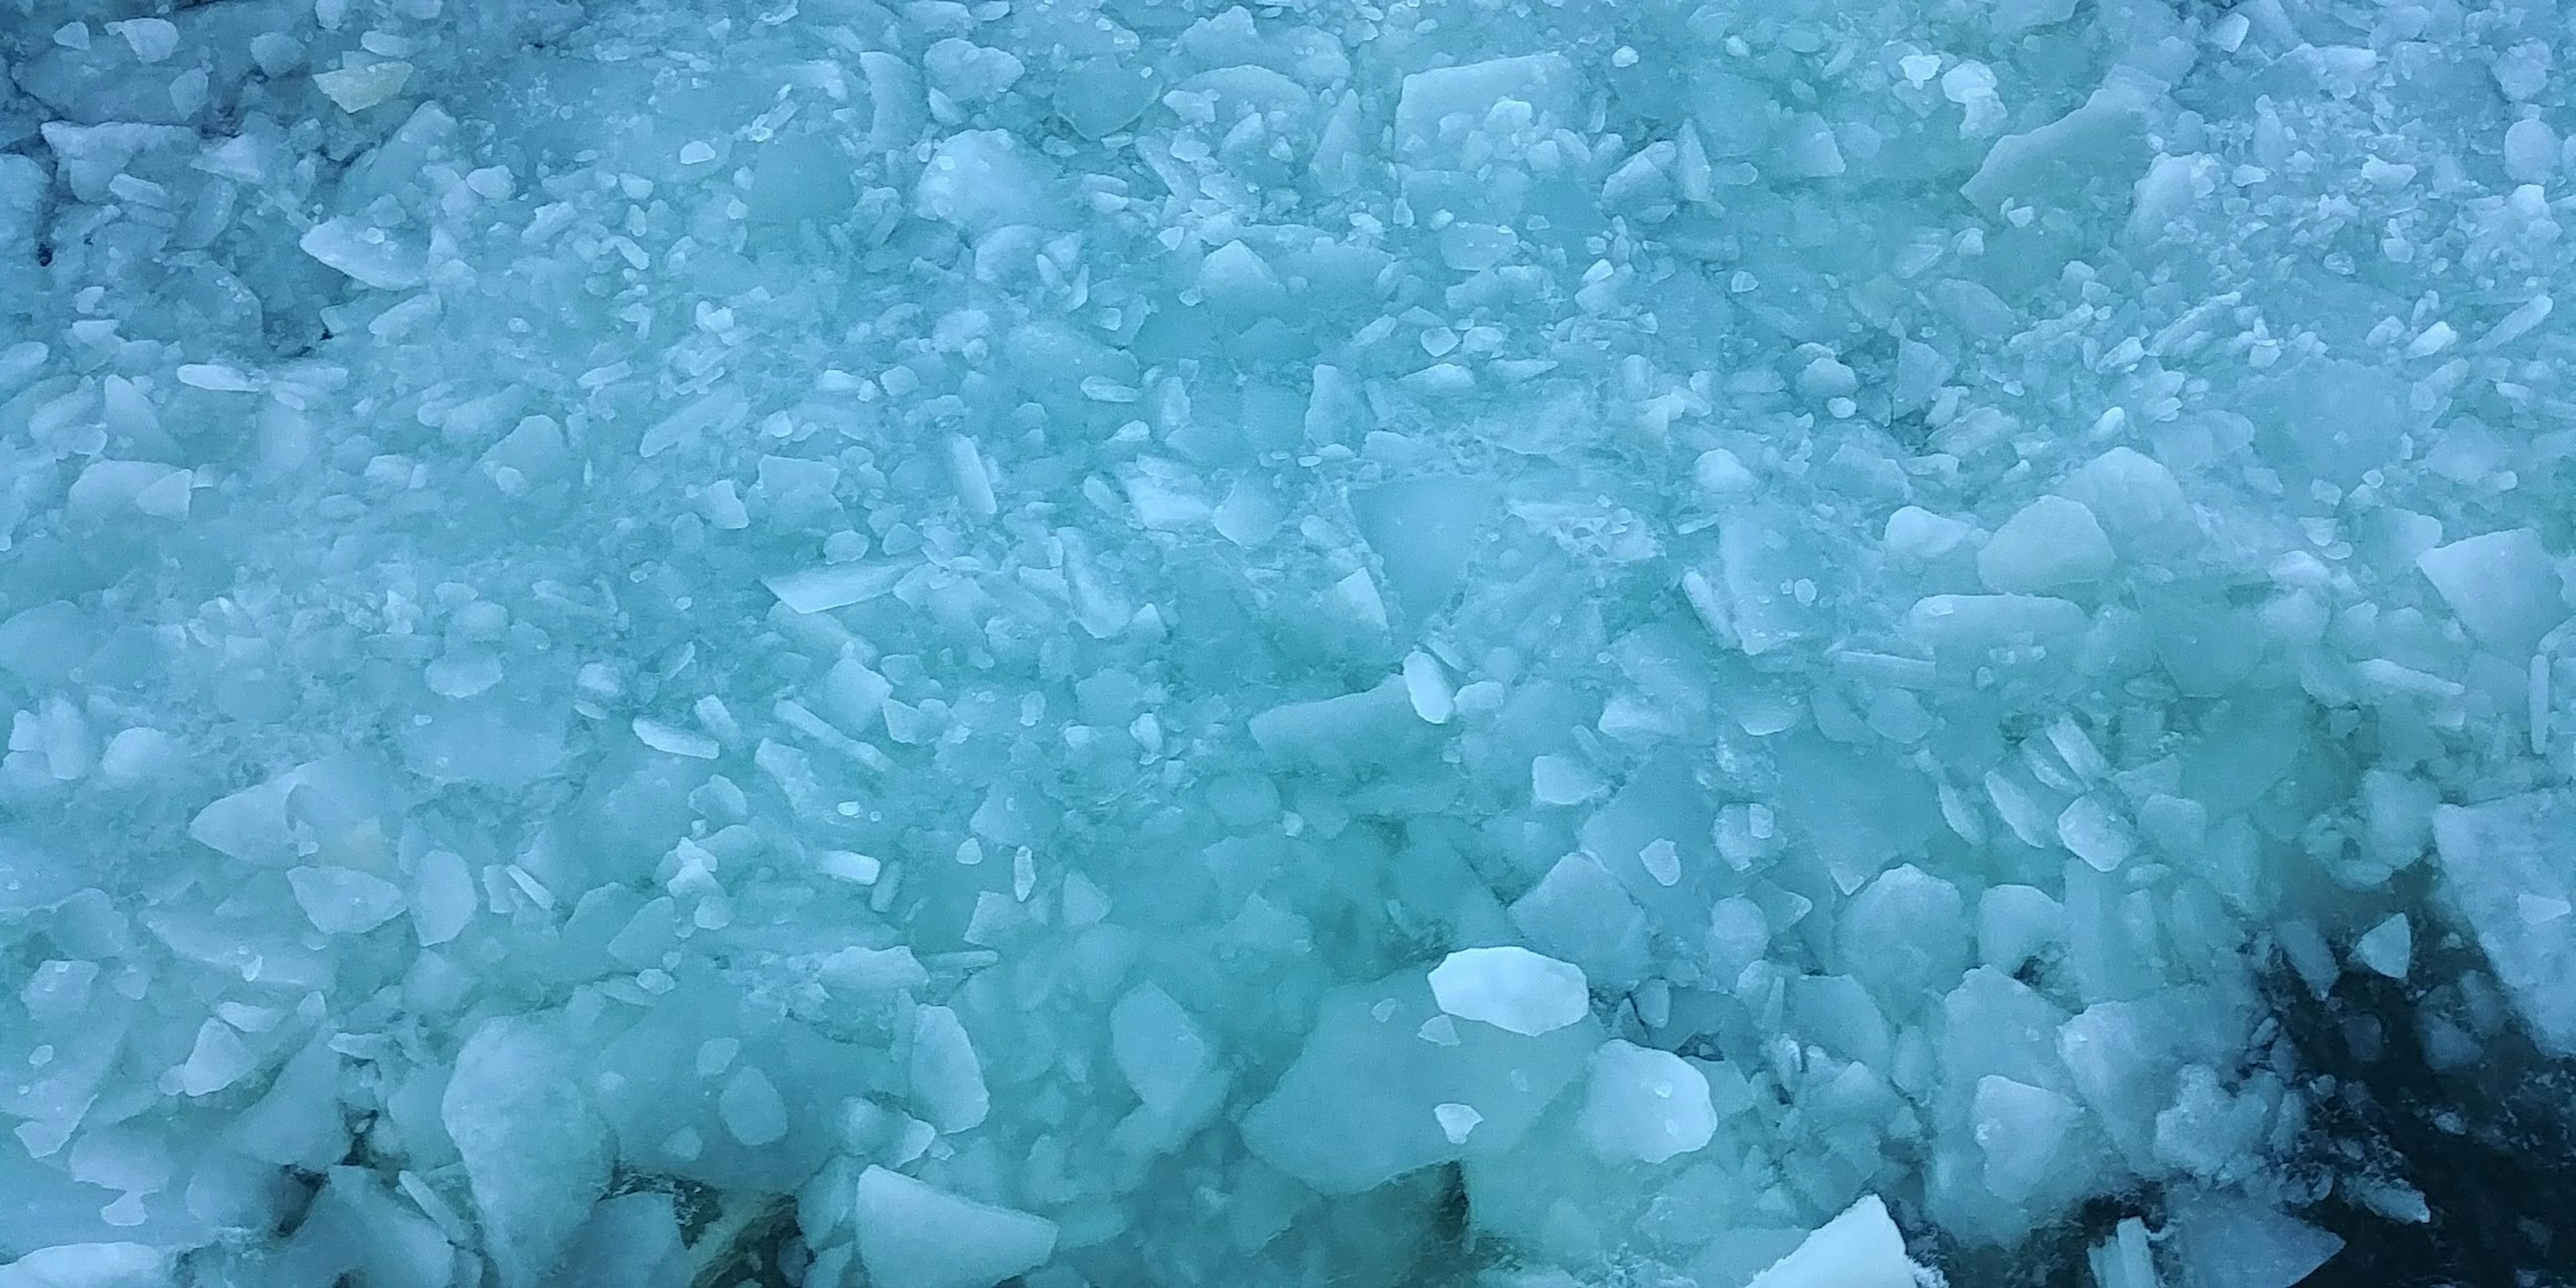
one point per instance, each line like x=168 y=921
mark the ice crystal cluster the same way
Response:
x=1332 y=643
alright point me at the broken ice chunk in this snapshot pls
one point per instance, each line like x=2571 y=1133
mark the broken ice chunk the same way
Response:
x=355 y=89
x=751 y=1109
x=1424 y=531
x=2095 y=151
x=2023 y=1132
x=913 y=1235
x=1862 y=1248
x=2048 y=543
x=983 y=179
x=2387 y=948
x=1457 y=1121
x=344 y=901
x=1644 y=1105
x=1905 y=935
x=368 y=255
x=536 y=1155
x=1159 y=1049
x=2500 y=860
x=1355 y=1108
x=1581 y=913
x=2096 y=831
x=1547 y=83
x=1511 y=988
x=2226 y=1241
x=947 y=1075
x=1236 y=279
x=2501 y=585
x=818 y=590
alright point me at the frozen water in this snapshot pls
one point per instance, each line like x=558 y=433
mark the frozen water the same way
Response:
x=1121 y=642
x=1511 y=988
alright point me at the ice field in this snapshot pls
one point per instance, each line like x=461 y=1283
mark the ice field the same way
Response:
x=1332 y=644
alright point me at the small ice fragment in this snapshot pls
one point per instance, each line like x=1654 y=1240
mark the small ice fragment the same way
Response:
x=817 y=590
x=1562 y=780
x=1663 y=861
x=366 y=254
x=673 y=741
x=1456 y=1120
x=2095 y=830
x=1158 y=1048
x=1511 y=988
x=1428 y=688
x=2387 y=948
x=751 y=1108
x=2503 y=587
x=356 y=89
x=151 y=39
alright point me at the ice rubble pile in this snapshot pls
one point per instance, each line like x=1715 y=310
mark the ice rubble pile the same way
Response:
x=1132 y=642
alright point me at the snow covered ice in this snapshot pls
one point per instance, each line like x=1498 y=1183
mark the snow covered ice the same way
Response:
x=1497 y=643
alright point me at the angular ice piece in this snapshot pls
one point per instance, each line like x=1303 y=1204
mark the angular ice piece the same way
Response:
x=1644 y=1105
x=1769 y=569
x=2387 y=948
x=2096 y=831
x=366 y=254
x=1355 y=1109
x=1862 y=1248
x=2101 y=145
x=751 y=1109
x=818 y=590
x=1965 y=632
x=1236 y=279
x=913 y=1235
x=2013 y=17
x=1906 y=935
x=355 y=89
x=1424 y=530
x=2022 y=1131
x=2500 y=862
x=1457 y=1121
x=983 y=179
x=1511 y=988
x=1548 y=83
x=2501 y=585
x=2048 y=543
x=2227 y=1241
x=1159 y=1049
x=344 y=901
x=1580 y=913
x=947 y=1075
x=536 y=1155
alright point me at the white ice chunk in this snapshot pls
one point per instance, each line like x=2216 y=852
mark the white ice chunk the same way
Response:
x=1235 y=278
x=1644 y=1105
x=2048 y=543
x=1456 y=1121
x=2387 y=948
x=345 y=901
x=1511 y=988
x=912 y=1235
x=1862 y=1248
x=1548 y=83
